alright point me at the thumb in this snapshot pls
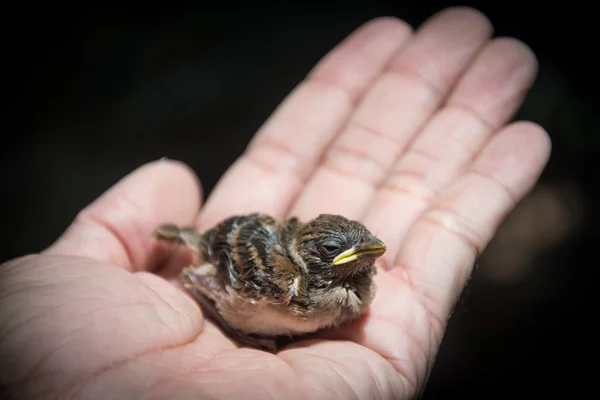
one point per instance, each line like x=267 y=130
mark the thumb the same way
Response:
x=116 y=228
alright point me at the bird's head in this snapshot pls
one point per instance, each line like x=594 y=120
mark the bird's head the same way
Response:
x=335 y=247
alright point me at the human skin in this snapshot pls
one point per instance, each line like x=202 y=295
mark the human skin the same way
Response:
x=407 y=131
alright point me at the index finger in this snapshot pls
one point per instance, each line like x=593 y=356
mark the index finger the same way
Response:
x=287 y=148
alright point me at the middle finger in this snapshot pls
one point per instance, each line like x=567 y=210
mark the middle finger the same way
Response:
x=392 y=112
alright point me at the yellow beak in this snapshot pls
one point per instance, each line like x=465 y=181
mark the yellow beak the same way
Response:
x=369 y=248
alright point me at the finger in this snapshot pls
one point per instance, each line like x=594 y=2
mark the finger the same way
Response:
x=117 y=227
x=465 y=217
x=269 y=175
x=438 y=254
x=489 y=93
x=407 y=319
x=393 y=111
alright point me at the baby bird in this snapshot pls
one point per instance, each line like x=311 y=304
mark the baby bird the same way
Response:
x=260 y=279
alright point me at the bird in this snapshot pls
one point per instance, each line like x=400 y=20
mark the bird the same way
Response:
x=260 y=279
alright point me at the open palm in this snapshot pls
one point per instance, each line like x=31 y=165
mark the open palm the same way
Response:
x=405 y=131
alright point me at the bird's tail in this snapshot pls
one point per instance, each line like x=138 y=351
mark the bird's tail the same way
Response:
x=187 y=236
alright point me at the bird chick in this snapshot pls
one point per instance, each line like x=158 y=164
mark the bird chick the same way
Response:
x=259 y=278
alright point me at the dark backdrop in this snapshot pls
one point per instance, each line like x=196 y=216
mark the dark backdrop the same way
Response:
x=93 y=92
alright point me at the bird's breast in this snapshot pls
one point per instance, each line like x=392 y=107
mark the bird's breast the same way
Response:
x=264 y=318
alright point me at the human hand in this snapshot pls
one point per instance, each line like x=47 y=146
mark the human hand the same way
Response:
x=403 y=131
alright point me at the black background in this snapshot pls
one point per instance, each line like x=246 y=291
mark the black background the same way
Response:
x=94 y=91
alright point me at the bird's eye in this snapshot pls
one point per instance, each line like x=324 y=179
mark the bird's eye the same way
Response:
x=330 y=247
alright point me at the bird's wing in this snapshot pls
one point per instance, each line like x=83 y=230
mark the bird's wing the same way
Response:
x=250 y=253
